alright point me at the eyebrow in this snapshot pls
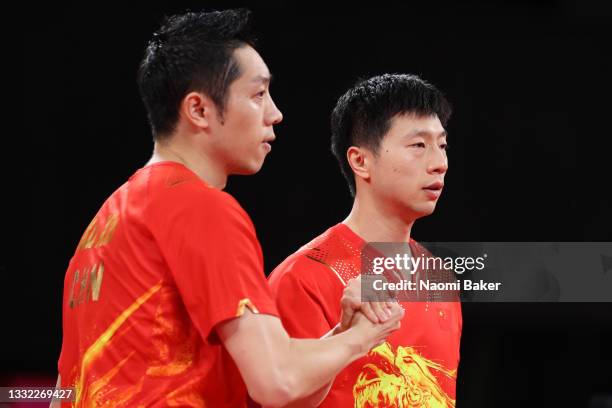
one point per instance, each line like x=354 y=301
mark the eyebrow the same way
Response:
x=444 y=133
x=266 y=79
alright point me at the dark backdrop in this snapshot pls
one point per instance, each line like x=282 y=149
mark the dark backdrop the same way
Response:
x=529 y=159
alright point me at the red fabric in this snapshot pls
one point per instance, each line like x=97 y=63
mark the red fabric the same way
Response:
x=164 y=261
x=416 y=367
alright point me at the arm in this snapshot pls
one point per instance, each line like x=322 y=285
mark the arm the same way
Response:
x=279 y=370
x=316 y=398
x=216 y=262
x=55 y=403
x=313 y=400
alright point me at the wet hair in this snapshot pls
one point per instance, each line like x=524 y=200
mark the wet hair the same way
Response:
x=191 y=52
x=363 y=115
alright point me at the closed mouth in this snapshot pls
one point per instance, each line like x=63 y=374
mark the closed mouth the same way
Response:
x=437 y=186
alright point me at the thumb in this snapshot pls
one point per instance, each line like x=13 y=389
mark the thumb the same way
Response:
x=348 y=310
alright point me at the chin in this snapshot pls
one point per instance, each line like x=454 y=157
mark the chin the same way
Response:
x=249 y=168
x=424 y=210
x=431 y=208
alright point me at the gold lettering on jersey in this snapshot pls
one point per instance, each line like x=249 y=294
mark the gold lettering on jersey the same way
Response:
x=97 y=273
x=109 y=229
x=74 y=281
x=82 y=286
x=94 y=237
x=90 y=232
x=88 y=286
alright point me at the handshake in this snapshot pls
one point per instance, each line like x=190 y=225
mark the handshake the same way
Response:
x=371 y=321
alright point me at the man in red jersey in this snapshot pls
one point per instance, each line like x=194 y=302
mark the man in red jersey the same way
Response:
x=388 y=136
x=165 y=300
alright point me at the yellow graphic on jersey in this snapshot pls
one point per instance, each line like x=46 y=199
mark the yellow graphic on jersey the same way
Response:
x=86 y=393
x=403 y=379
x=180 y=332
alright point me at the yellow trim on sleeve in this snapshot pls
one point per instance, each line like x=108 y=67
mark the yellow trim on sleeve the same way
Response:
x=246 y=302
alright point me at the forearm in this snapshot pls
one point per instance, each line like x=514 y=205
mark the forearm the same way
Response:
x=283 y=370
x=312 y=364
x=313 y=400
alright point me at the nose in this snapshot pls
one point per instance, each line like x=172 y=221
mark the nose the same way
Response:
x=438 y=161
x=274 y=115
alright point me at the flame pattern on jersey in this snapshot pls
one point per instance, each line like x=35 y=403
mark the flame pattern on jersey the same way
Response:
x=401 y=379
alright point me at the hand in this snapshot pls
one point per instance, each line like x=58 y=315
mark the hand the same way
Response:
x=371 y=334
x=351 y=302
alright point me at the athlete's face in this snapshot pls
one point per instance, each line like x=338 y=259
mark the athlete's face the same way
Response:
x=246 y=131
x=409 y=168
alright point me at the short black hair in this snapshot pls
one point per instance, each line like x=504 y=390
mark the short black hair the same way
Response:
x=363 y=115
x=191 y=52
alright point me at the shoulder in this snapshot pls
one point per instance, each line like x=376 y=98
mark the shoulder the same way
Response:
x=297 y=267
x=308 y=266
x=174 y=188
x=172 y=197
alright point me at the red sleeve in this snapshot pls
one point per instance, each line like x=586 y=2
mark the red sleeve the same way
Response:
x=307 y=297
x=211 y=249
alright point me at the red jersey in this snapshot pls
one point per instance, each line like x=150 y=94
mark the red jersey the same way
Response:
x=416 y=367
x=163 y=262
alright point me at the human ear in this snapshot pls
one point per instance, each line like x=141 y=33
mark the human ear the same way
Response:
x=359 y=159
x=198 y=109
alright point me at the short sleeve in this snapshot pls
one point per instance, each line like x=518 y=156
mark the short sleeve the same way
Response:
x=213 y=255
x=308 y=300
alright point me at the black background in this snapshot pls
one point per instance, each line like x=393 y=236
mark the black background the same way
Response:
x=529 y=158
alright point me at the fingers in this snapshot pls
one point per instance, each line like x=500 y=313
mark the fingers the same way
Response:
x=395 y=326
x=374 y=307
x=390 y=329
x=394 y=322
x=377 y=312
x=378 y=306
x=376 y=334
x=353 y=288
x=348 y=311
x=382 y=337
x=380 y=310
x=396 y=312
x=395 y=309
x=351 y=303
x=368 y=311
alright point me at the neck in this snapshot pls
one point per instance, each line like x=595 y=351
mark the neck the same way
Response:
x=195 y=160
x=374 y=222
